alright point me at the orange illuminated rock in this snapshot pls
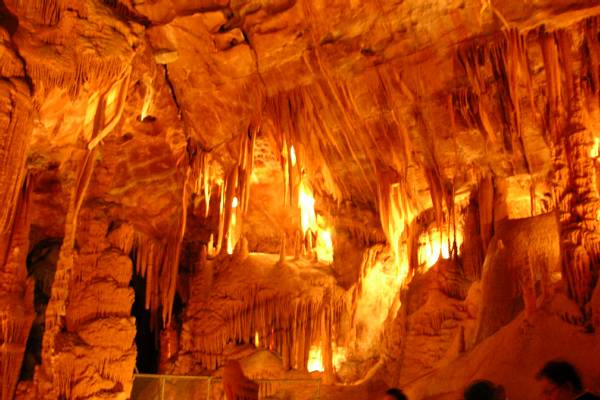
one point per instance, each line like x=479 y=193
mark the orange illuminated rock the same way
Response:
x=365 y=189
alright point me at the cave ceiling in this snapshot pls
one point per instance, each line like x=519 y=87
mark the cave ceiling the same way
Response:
x=362 y=88
x=151 y=109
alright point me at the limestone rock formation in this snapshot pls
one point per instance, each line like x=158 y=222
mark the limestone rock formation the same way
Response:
x=357 y=193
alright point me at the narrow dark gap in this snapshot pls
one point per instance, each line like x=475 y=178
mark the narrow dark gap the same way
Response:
x=148 y=347
x=41 y=266
x=8 y=20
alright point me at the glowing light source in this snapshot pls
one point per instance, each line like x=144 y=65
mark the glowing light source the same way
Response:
x=147 y=99
x=324 y=246
x=231 y=233
x=315 y=360
x=595 y=150
x=378 y=297
x=256 y=341
x=384 y=270
x=211 y=245
x=313 y=223
x=306 y=202
x=293 y=155
x=433 y=245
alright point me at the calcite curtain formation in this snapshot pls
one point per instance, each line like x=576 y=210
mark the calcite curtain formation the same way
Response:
x=389 y=157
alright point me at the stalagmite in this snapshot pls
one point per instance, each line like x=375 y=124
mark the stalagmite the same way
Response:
x=579 y=203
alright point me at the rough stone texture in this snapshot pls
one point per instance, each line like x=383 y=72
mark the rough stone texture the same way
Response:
x=94 y=354
x=284 y=304
x=521 y=260
x=135 y=126
x=16 y=292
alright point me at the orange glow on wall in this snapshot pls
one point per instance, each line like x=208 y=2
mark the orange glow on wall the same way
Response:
x=231 y=234
x=293 y=156
x=311 y=222
x=324 y=246
x=595 y=150
x=384 y=270
x=306 y=203
x=315 y=359
x=148 y=98
x=433 y=245
x=339 y=356
x=378 y=297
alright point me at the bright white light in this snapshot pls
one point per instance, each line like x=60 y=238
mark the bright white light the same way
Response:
x=293 y=155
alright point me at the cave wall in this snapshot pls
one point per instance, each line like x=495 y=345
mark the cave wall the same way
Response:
x=88 y=347
x=129 y=130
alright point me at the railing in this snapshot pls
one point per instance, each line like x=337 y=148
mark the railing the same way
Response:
x=183 y=387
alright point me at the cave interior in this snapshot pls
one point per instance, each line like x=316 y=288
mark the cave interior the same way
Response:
x=297 y=199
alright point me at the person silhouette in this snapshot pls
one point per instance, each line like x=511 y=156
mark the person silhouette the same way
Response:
x=394 y=394
x=560 y=380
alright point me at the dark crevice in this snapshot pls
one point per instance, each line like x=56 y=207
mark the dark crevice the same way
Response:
x=8 y=20
x=127 y=14
x=255 y=56
x=41 y=266
x=146 y=335
x=26 y=76
x=172 y=89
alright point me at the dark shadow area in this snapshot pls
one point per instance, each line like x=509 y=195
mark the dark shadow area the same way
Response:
x=41 y=266
x=146 y=338
x=8 y=20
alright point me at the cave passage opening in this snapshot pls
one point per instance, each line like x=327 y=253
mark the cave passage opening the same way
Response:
x=146 y=340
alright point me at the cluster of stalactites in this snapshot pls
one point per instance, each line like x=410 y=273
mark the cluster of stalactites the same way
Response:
x=231 y=189
x=85 y=67
x=156 y=261
x=287 y=326
x=314 y=237
x=412 y=239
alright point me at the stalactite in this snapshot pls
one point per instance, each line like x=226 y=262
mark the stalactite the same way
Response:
x=498 y=74
x=286 y=323
x=123 y=236
x=514 y=59
x=16 y=294
x=473 y=248
x=109 y=122
x=15 y=125
x=158 y=262
x=230 y=192
x=221 y=228
x=591 y=57
x=554 y=82
x=98 y=72
x=438 y=196
x=485 y=201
